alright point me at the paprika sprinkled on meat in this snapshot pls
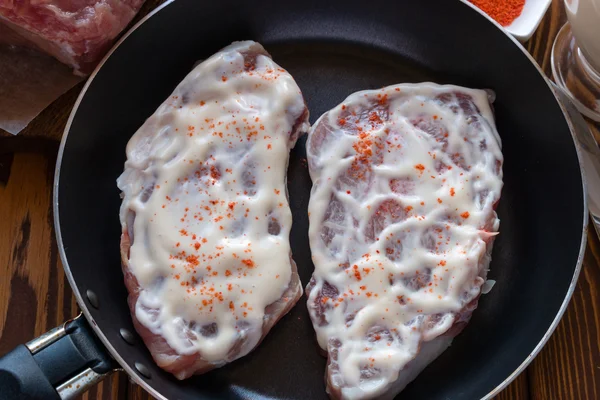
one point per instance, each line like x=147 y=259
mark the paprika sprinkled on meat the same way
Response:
x=401 y=225
x=205 y=250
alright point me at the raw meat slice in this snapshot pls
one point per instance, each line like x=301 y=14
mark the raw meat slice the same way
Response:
x=406 y=180
x=77 y=33
x=205 y=215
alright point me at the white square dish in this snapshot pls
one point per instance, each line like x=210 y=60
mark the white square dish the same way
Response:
x=525 y=24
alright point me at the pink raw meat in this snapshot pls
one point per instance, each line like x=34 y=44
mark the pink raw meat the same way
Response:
x=222 y=275
x=402 y=219
x=76 y=32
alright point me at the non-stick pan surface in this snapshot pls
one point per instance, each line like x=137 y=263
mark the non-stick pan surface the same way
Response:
x=334 y=48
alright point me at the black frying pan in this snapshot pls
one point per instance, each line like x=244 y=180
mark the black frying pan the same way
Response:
x=332 y=48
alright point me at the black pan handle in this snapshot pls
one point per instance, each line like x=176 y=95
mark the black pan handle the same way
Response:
x=60 y=364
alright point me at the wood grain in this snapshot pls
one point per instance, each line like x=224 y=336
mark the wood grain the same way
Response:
x=35 y=296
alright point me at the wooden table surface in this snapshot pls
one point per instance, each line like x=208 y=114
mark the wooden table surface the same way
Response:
x=35 y=295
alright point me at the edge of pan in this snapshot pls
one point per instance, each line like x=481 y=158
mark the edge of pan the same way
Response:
x=145 y=385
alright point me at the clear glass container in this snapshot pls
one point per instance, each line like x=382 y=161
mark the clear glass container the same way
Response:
x=576 y=56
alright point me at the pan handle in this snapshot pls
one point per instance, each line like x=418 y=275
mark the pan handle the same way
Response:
x=60 y=364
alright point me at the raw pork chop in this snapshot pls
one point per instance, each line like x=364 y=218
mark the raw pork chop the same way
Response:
x=205 y=215
x=76 y=32
x=402 y=219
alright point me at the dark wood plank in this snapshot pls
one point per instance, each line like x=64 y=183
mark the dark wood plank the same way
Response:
x=135 y=392
x=517 y=390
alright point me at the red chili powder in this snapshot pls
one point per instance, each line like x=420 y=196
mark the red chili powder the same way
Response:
x=503 y=11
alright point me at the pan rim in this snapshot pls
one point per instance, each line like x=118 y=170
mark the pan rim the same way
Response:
x=136 y=376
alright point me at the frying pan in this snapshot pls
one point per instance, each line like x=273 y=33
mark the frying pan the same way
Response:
x=332 y=48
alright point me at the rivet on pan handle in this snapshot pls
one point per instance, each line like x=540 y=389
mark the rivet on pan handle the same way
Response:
x=60 y=364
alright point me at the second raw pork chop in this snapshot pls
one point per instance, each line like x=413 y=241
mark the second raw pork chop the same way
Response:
x=406 y=180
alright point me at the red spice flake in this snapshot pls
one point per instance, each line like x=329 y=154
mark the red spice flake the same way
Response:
x=442 y=263
x=231 y=306
x=204 y=240
x=231 y=205
x=196 y=245
x=324 y=299
x=224 y=78
x=422 y=203
x=177 y=244
x=452 y=192
x=277 y=191
x=420 y=167
x=363 y=288
x=369 y=294
x=214 y=172
x=193 y=260
x=408 y=208
x=183 y=232
x=356 y=272
x=465 y=215
x=341 y=121
x=248 y=263
x=382 y=99
x=374 y=117
x=439 y=200
x=269 y=147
